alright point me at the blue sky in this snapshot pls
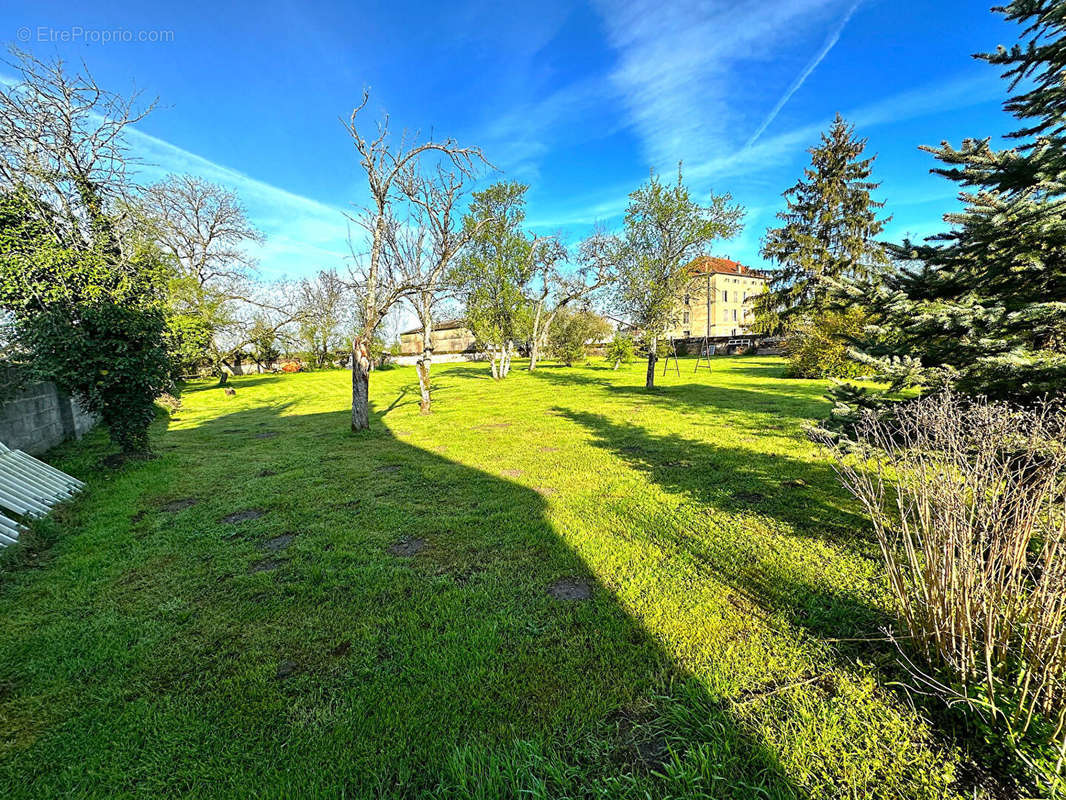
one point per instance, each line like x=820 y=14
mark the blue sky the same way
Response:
x=579 y=100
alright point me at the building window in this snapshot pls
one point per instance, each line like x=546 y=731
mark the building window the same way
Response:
x=725 y=296
x=686 y=319
x=687 y=334
x=734 y=315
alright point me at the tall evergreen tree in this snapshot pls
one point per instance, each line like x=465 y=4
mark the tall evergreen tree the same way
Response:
x=830 y=224
x=982 y=307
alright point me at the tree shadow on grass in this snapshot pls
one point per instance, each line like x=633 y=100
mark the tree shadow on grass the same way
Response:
x=327 y=614
x=805 y=496
x=782 y=406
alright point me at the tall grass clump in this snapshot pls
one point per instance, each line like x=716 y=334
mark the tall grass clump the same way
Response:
x=966 y=499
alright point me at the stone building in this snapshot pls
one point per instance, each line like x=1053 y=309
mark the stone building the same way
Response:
x=448 y=337
x=716 y=302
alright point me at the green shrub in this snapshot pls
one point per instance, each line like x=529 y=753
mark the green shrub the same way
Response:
x=818 y=346
x=620 y=350
x=91 y=319
x=572 y=334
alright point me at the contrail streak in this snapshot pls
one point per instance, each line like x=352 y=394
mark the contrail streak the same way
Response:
x=830 y=43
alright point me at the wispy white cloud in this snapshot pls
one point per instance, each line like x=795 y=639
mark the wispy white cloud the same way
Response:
x=608 y=203
x=302 y=234
x=830 y=42
x=679 y=64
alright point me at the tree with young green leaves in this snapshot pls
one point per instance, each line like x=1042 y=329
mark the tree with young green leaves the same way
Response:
x=830 y=226
x=665 y=230
x=620 y=350
x=981 y=308
x=491 y=275
x=574 y=332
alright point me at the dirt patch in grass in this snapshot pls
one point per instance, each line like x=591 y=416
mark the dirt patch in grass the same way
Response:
x=234 y=430
x=264 y=565
x=179 y=505
x=545 y=491
x=653 y=754
x=286 y=669
x=265 y=435
x=278 y=543
x=265 y=473
x=243 y=516
x=388 y=468
x=408 y=547
x=550 y=449
x=570 y=589
x=341 y=649
x=750 y=497
x=493 y=426
x=511 y=473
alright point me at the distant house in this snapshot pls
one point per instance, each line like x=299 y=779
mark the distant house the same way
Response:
x=716 y=302
x=448 y=336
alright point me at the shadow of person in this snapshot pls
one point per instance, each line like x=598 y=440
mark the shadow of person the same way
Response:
x=324 y=614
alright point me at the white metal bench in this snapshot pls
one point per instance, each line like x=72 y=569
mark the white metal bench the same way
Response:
x=30 y=488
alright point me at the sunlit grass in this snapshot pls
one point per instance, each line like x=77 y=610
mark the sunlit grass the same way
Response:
x=151 y=651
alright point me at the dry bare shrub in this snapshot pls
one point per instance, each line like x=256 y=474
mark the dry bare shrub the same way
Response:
x=966 y=499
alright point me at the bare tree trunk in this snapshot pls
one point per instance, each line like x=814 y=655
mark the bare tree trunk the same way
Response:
x=617 y=361
x=360 y=386
x=505 y=367
x=492 y=362
x=653 y=343
x=534 y=344
x=422 y=366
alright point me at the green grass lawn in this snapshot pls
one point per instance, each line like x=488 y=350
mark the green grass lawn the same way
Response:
x=381 y=623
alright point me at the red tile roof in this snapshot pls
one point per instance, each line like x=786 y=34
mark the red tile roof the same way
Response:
x=722 y=266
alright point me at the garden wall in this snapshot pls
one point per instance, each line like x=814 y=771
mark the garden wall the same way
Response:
x=40 y=417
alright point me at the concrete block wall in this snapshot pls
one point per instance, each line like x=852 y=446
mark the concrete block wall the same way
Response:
x=40 y=417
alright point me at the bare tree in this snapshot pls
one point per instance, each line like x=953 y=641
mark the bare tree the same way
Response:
x=378 y=281
x=204 y=228
x=434 y=235
x=558 y=291
x=63 y=140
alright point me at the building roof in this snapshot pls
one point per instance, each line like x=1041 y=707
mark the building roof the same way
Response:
x=443 y=325
x=722 y=266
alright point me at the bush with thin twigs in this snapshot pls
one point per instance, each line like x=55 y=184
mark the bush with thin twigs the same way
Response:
x=966 y=499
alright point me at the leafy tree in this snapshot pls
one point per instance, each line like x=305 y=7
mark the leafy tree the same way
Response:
x=620 y=350
x=817 y=347
x=492 y=273
x=263 y=339
x=573 y=333
x=204 y=229
x=325 y=310
x=982 y=307
x=830 y=224
x=94 y=326
x=665 y=229
x=80 y=277
x=557 y=291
